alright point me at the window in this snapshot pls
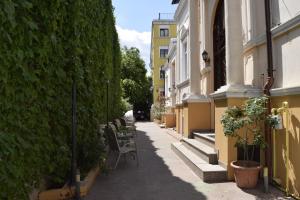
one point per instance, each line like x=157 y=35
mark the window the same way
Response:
x=163 y=53
x=161 y=73
x=185 y=73
x=164 y=32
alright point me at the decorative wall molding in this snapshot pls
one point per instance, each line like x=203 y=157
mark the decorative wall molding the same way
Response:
x=276 y=32
x=285 y=91
x=183 y=83
x=179 y=10
x=194 y=98
x=236 y=91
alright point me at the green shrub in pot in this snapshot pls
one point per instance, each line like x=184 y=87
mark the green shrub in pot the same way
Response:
x=246 y=124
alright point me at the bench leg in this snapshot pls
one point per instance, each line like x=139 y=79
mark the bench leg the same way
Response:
x=118 y=159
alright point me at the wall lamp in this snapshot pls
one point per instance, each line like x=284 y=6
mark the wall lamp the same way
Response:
x=205 y=56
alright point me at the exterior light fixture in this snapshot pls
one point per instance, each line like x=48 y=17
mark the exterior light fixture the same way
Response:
x=205 y=56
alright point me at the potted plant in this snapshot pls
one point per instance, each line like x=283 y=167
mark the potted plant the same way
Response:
x=246 y=125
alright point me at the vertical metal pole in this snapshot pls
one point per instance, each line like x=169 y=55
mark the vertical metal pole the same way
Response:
x=269 y=37
x=74 y=143
x=267 y=87
x=107 y=110
x=74 y=166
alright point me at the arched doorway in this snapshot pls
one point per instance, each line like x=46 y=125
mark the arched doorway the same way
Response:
x=219 y=47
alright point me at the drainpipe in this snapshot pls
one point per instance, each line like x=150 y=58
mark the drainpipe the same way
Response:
x=267 y=87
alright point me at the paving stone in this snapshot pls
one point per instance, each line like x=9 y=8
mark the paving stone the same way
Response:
x=162 y=175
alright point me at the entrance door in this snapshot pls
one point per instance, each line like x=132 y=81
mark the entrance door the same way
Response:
x=219 y=47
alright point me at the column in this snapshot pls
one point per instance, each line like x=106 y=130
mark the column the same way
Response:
x=203 y=29
x=234 y=43
x=194 y=55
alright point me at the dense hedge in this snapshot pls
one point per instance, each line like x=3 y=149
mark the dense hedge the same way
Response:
x=44 y=44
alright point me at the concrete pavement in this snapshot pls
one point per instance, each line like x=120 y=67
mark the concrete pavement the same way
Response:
x=164 y=176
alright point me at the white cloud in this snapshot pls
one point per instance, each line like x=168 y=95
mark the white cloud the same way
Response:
x=140 y=40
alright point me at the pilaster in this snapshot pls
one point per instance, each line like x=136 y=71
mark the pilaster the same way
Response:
x=194 y=60
x=234 y=43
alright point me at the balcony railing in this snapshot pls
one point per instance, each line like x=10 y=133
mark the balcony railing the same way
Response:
x=165 y=16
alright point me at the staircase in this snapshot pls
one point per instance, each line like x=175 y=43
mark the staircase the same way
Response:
x=199 y=154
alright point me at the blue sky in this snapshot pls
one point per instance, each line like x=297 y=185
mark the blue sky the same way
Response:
x=134 y=18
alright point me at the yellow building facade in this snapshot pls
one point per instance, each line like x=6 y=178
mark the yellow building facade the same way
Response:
x=162 y=32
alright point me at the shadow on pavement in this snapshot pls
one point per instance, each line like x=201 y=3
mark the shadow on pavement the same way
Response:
x=152 y=180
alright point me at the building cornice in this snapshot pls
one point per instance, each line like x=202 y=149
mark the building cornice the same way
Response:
x=285 y=91
x=163 y=22
x=175 y=1
x=194 y=98
x=236 y=91
x=180 y=9
x=276 y=32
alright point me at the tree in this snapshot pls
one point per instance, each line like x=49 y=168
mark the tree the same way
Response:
x=135 y=83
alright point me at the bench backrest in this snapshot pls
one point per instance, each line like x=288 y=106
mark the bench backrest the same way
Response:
x=112 y=138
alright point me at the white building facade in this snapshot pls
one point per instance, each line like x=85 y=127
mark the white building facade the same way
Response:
x=232 y=34
x=169 y=75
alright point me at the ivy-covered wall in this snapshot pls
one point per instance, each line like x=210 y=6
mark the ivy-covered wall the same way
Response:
x=44 y=45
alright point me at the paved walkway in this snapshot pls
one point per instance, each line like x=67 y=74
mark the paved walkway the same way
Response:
x=163 y=176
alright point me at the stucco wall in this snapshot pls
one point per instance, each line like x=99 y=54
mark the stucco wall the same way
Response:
x=170 y=120
x=221 y=142
x=286 y=56
x=286 y=42
x=178 y=112
x=281 y=161
x=199 y=116
x=196 y=117
x=185 y=120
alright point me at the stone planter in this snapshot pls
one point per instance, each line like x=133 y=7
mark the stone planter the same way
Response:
x=170 y=120
x=67 y=192
x=246 y=173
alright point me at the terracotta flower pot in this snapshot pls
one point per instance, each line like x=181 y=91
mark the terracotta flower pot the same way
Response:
x=246 y=173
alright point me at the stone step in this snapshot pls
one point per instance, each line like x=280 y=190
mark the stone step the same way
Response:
x=163 y=125
x=202 y=150
x=207 y=172
x=206 y=138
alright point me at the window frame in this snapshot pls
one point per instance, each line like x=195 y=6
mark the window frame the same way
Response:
x=164 y=32
x=185 y=61
x=165 y=54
